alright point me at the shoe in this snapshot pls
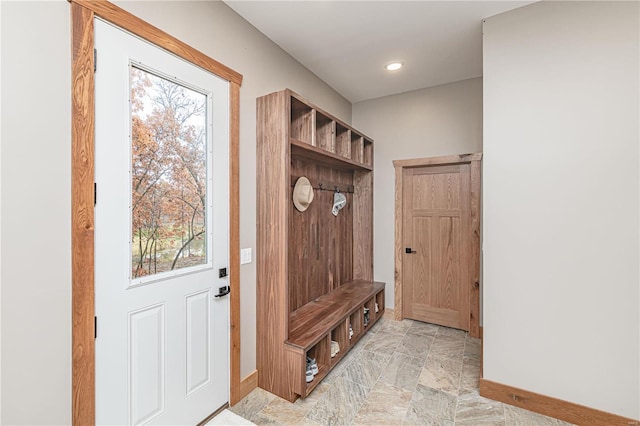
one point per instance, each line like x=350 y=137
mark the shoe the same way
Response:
x=313 y=365
x=377 y=308
x=350 y=332
x=309 y=374
x=335 y=348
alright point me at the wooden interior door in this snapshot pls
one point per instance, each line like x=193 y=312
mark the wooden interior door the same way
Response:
x=436 y=265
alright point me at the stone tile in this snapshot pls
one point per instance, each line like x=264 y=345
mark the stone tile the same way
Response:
x=339 y=404
x=453 y=332
x=284 y=412
x=402 y=371
x=336 y=373
x=401 y=327
x=378 y=325
x=384 y=342
x=261 y=420
x=472 y=409
x=366 y=338
x=475 y=361
x=469 y=381
x=472 y=347
x=441 y=374
x=314 y=397
x=449 y=346
x=365 y=368
x=430 y=407
x=385 y=405
x=515 y=416
x=252 y=403
x=415 y=345
x=423 y=328
x=308 y=422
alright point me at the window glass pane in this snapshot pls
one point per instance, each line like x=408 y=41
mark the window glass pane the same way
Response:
x=168 y=175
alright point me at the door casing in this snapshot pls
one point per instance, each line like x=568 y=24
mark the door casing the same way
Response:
x=82 y=189
x=474 y=294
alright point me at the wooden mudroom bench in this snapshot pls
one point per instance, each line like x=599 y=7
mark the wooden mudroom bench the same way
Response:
x=314 y=266
x=313 y=326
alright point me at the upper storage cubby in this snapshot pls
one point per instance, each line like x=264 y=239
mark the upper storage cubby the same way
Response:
x=357 y=147
x=325 y=132
x=368 y=152
x=319 y=136
x=343 y=141
x=301 y=122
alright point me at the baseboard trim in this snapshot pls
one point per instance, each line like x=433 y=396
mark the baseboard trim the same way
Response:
x=552 y=407
x=248 y=384
x=389 y=314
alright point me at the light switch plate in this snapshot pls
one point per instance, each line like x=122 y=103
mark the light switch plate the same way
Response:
x=245 y=256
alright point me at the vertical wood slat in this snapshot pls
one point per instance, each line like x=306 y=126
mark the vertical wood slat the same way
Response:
x=474 y=293
x=82 y=216
x=234 y=241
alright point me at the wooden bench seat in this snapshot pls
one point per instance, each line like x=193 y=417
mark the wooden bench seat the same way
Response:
x=313 y=321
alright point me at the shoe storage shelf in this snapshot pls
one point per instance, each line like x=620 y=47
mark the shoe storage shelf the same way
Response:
x=315 y=288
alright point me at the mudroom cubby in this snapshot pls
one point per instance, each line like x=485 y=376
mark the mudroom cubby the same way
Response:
x=379 y=303
x=355 y=322
x=339 y=338
x=314 y=267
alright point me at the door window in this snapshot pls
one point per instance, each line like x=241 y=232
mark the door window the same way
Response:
x=168 y=176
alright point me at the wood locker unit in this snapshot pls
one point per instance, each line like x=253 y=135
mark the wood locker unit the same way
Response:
x=314 y=269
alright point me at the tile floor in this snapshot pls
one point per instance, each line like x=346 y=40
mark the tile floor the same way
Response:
x=406 y=372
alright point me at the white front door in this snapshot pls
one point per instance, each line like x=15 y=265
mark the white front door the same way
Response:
x=161 y=237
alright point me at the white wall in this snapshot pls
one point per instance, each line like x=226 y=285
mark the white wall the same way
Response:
x=36 y=213
x=36 y=180
x=561 y=195
x=440 y=120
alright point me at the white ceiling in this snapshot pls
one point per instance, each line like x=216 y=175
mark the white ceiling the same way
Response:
x=347 y=43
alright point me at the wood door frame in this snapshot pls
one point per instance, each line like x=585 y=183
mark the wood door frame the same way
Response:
x=83 y=13
x=474 y=285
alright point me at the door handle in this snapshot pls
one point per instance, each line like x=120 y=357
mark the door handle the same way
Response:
x=409 y=251
x=223 y=291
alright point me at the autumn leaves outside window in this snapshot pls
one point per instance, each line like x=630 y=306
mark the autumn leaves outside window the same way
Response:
x=168 y=175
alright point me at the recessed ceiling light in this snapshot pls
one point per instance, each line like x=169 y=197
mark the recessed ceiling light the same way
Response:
x=394 y=66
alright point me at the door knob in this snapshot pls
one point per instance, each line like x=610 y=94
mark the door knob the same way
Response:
x=408 y=250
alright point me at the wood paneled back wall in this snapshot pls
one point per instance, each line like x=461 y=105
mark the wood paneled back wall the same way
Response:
x=320 y=244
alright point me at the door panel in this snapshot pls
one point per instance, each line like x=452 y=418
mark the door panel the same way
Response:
x=160 y=237
x=146 y=355
x=198 y=344
x=436 y=222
